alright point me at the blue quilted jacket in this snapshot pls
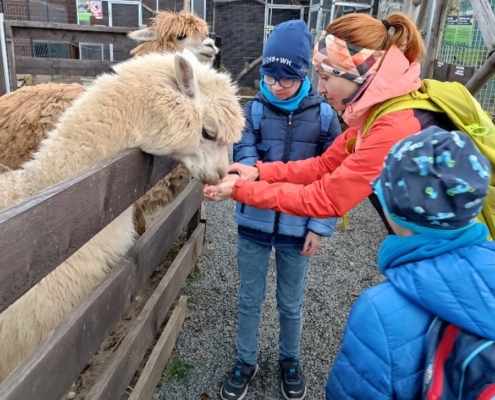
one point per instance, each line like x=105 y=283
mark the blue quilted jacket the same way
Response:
x=386 y=360
x=284 y=137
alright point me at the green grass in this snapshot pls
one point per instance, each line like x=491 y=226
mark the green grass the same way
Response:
x=177 y=370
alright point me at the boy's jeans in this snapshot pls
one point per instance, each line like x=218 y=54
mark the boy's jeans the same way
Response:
x=252 y=261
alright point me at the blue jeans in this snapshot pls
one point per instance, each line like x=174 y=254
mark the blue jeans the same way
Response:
x=252 y=261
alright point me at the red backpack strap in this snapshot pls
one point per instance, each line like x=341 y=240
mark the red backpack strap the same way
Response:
x=443 y=352
x=488 y=393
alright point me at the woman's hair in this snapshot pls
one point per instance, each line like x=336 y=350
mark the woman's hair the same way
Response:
x=365 y=31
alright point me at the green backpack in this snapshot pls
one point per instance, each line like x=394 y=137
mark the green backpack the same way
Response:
x=465 y=112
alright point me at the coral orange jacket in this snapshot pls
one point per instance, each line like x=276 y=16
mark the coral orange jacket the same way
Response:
x=331 y=185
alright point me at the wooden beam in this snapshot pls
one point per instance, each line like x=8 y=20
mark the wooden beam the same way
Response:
x=61 y=66
x=433 y=34
x=486 y=21
x=70 y=27
x=67 y=215
x=482 y=76
x=52 y=367
x=119 y=372
x=11 y=57
x=146 y=384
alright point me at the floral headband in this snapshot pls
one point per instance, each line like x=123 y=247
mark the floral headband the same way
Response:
x=343 y=59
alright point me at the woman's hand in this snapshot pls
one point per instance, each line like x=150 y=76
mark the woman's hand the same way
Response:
x=245 y=172
x=222 y=190
x=312 y=244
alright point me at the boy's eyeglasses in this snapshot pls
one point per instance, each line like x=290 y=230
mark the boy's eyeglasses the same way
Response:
x=286 y=83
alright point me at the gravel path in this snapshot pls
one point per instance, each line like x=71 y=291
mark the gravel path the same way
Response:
x=344 y=267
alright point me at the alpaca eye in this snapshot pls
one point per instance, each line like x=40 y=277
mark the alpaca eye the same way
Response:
x=181 y=37
x=207 y=136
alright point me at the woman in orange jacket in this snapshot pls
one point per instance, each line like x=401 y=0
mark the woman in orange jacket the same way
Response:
x=361 y=62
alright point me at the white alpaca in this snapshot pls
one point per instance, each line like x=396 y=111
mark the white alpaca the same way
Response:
x=163 y=104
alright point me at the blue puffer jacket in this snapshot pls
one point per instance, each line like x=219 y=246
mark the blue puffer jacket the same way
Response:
x=284 y=137
x=386 y=359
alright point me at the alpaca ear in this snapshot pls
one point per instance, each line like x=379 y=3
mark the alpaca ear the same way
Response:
x=185 y=76
x=143 y=35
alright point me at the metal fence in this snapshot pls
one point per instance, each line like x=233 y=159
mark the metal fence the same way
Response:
x=39 y=11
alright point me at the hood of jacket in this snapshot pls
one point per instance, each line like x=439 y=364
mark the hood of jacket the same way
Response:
x=458 y=286
x=396 y=77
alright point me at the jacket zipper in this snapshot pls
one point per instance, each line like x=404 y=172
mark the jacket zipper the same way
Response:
x=285 y=158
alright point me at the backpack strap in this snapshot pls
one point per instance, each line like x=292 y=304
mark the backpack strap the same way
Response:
x=326 y=115
x=256 y=116
x=466 y=114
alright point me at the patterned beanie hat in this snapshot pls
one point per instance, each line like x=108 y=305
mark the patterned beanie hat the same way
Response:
x=434 y=182
x=343 y=59
x=287 y=51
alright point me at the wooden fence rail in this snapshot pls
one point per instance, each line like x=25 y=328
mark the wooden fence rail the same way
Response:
x=77 y=209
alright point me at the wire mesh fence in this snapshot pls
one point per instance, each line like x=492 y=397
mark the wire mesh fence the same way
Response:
x=467 y=47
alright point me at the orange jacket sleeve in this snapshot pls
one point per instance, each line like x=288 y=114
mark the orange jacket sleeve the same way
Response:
x=307 y=171
x=334 y=193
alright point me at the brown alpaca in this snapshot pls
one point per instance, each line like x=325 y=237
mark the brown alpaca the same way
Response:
x=27 y=114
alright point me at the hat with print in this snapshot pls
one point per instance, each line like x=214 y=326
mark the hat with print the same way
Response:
x=434 y=181
x=287 y=51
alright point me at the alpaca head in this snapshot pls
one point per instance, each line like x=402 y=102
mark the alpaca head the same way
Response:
x=175 y=32
x=190 y=111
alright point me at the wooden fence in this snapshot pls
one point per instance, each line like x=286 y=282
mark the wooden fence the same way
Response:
x=73 y=34
x=34 y=238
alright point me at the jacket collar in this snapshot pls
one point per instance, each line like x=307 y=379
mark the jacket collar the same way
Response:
x=396 y=77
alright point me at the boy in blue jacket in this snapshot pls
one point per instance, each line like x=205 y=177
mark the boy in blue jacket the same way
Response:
x=439 y=263
x=287 y=121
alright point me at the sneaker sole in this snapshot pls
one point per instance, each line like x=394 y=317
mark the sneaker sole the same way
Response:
x=243 y=394
x=290 y=398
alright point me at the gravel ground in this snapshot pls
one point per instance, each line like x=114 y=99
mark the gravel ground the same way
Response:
x=343 y=267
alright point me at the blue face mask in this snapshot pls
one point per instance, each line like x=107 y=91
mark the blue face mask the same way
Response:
x=289 y=105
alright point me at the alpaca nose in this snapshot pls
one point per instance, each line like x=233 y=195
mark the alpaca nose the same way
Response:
x=210 y=43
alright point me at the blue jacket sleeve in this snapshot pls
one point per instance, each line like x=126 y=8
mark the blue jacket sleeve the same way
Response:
x=245 y=151
x=363 y=367
x=326 y=226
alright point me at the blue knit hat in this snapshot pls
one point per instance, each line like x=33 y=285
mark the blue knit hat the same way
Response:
x=287 y=51
x=434 y=182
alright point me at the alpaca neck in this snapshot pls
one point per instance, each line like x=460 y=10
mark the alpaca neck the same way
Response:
x=69 y=149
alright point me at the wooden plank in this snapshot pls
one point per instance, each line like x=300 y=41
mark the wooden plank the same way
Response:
x=67 y=215
x=146 y=384
x=61 y=66
x=486 y=22
x=146 y=252
x=33 y=25
x=70 y=33
x=119 y=372
x=10 y=57
x=482 y=76
x=52 y=367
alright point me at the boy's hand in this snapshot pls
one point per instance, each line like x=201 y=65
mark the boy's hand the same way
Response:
x=245 y=172
x=222 y=190
x=312 y=244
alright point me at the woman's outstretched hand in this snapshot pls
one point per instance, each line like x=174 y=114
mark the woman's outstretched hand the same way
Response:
x=222 y=190
x=245 y=172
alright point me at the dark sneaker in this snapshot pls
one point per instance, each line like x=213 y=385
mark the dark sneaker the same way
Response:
x=293 y=385
x=236 y=385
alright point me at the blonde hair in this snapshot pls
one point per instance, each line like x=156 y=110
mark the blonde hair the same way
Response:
x=365 y=31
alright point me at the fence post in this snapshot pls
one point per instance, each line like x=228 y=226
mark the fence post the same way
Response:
x=4 y=65
x=9 y=39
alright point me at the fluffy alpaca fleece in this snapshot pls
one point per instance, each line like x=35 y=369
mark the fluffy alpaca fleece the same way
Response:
x=27 y=114
x=163 y=104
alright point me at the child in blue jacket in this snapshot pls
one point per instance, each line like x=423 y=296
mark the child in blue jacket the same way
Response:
x=287 y=121
x=439 y=263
